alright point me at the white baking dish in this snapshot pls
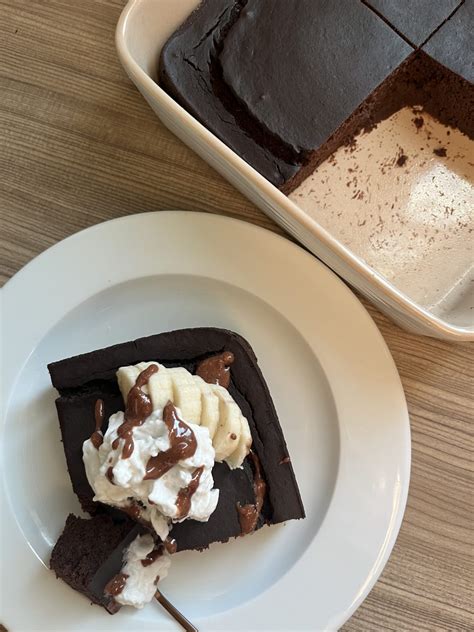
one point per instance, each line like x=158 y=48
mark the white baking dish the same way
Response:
x=142 y=29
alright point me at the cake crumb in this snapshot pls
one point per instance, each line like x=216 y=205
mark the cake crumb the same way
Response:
x=440 y=151
x=401 y=160
x=419 y=121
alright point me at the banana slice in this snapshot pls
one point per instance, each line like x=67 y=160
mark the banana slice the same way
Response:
x=209 y=406
x=243 y=448
x=126 y=377
x=227 y=434
x=160 y=388
x=186 y=394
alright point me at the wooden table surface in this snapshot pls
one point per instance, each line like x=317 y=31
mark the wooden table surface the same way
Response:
x=78 y=145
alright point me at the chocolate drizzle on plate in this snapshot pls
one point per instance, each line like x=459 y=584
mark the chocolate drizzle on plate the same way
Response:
x=138 y=408
x=96 y=437
x=185 y=494
x=183 y=444
x=116 y=584
x=216 y=369
x=248 y=514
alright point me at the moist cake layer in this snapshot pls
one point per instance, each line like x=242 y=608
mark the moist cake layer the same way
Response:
x=89 y=552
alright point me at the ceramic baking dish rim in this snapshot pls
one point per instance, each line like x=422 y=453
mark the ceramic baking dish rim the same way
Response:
x=383 y=289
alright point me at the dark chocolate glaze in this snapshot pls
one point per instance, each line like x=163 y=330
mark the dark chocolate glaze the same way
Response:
x=453 y=44
x=81 y=380
x=415 y=20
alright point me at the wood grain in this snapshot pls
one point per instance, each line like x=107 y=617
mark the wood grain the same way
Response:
x=78 y=145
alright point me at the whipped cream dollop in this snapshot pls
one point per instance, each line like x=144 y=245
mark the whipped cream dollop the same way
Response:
x=144 y=566
x=184 y=491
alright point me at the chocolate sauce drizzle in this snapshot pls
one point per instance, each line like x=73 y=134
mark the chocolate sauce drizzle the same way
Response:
x=116 y=584
x=110 y=474
x=96 y=437
x=183 y=445
x=138 y=408
x=133 y=510
x=248 y=514
x=185 y=494
x=171 y=545
x=216 y=369
x=153 y=556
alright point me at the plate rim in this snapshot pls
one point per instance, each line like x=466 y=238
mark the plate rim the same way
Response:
x=19 y=282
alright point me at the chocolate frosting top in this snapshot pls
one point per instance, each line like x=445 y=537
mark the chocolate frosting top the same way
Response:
x=190 y=73
x=415 y=19
x=301 y=68
x=453 y=44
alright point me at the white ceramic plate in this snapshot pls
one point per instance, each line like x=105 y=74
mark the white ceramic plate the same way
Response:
x=332 y=378
x=143 y=28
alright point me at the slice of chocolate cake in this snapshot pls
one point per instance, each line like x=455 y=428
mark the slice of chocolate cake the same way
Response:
x=285 y=77
x=89 y=553
x=84 y=379
x=190 y=73
x=340 y=52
